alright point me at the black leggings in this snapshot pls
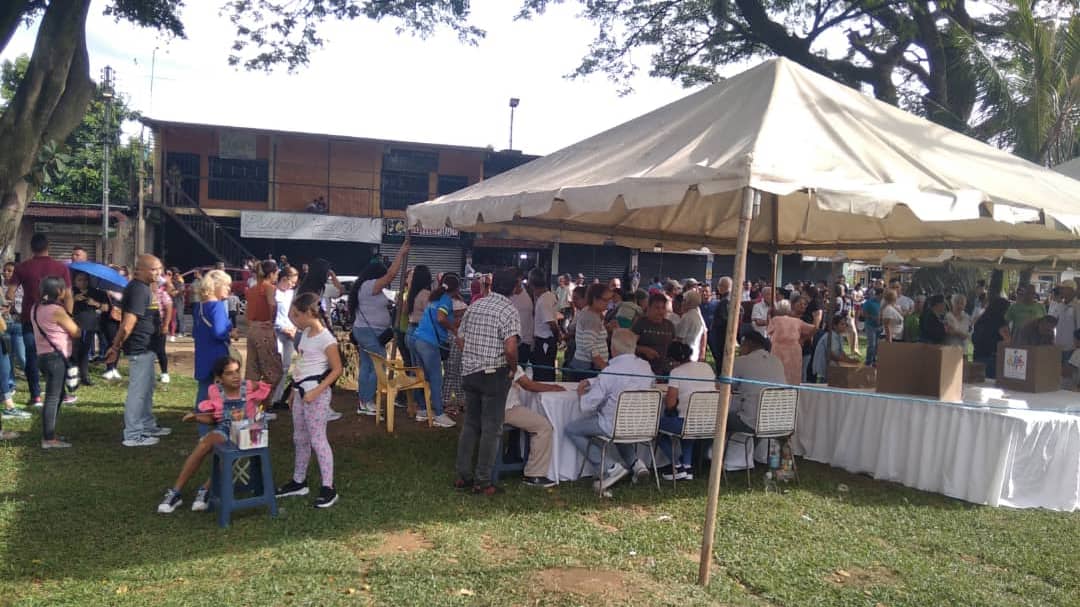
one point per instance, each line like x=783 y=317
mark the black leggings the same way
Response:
x=158 y=343
x=53 y=367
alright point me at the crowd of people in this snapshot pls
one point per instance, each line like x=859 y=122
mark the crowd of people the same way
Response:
x=482 y=342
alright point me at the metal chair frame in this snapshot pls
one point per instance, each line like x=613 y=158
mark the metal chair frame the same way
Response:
x=699 y=423
x=637 y=419
x=777 y=416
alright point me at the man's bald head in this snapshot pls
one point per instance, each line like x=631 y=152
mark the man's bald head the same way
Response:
x=147 y=268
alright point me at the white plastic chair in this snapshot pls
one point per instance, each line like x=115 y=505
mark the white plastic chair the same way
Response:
x=776 y=418
x=637 y=419
x=699 y=423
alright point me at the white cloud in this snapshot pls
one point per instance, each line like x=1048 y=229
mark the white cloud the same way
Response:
x=370 y=82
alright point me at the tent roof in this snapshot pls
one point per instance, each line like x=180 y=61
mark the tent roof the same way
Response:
x=845 y=171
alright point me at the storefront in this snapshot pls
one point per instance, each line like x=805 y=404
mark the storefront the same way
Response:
x=440 y=250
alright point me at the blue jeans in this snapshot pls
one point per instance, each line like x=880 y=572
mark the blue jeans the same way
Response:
x=427 y=354
x=368 y=340
x=674 y=424
x=7 y=382
x=30 y=365
x=871 y=345
x=138 y=418
x=17 y=354
x=579 y=431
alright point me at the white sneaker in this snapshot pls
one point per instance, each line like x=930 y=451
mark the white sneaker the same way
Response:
x=164 y=378
x=160 y=431
x=172 y=338
x=421 y=415
x=616 y=473
x=142 y=441
x=202 y=502
x=365 y=409
x=333 y=416
x=444 y=421
x=641 y=471
x=111 y=374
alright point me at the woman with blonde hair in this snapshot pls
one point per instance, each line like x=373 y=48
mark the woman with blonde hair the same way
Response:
x=211 y=328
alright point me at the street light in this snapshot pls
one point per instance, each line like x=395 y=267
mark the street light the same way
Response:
x=514 y=101
x=107 y=94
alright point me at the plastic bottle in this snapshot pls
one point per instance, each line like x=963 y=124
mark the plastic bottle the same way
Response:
x=774 y=455
x=787 y=468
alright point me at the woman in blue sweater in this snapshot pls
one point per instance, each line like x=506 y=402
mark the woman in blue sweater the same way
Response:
x=212 y=330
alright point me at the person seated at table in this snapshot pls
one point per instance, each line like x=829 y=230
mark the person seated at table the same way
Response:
x=756 y=363
x=932 y=329
x=538 y=427
x=656 y=333
x=832 y=343
x=689 y=376
x=599 y=397
x=1038 y=332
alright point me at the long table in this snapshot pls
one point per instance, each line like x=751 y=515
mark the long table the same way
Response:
x=1002 y=449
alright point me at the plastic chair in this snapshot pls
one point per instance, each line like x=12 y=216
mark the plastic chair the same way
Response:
x=240 y=470
x=776 y=417
x=699 y=423
x=637 y=418
x=393 y=377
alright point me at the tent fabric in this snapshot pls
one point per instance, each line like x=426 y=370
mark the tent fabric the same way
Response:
x=845 y=171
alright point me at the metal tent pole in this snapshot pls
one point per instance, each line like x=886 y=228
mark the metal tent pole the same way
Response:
x=746 y=215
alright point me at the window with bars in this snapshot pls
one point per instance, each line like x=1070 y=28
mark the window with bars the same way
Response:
x=182 y=172
x=238 y=179
x=451 y=183
x=402 y=188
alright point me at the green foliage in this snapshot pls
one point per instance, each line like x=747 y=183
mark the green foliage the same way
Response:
x=72 y=172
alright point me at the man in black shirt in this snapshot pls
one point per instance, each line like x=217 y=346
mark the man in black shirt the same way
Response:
x=134 y=336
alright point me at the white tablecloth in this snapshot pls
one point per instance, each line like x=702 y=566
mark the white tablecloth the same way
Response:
x=1018 y=455
x=560 y=408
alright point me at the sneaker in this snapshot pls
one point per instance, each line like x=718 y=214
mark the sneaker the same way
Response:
x=687 y=473
x=462 y=484
x=70 y=399
x=38 y=403
x=641 y=471
x=142 y=441
x=365 y=409
x=292 y=488
x=172 y=339
x=54 y=444
x=202 y=500
x=421 y=415
x=14 y=413
x=165 y=377
x=616 y=473
x=8 y=435
x=539 y=481
x=170 y=502
x=669 y=474
x=327 y=497
x=333 y=416
x=112 y=375
x=487 y=490
x=444 y=421
x=160 y=431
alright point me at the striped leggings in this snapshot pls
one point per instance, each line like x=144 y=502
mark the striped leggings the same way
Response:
x=309 y=433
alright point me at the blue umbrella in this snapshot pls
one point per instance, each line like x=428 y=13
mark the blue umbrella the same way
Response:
x=104 y=276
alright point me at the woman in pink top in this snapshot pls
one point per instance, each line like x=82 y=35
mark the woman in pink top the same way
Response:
x=787 y=333
x=53 y=332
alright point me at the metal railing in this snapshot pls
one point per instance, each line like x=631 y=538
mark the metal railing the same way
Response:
x=204 y=228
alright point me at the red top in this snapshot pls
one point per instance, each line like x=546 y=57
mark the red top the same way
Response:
x=258 y=308
x=31 y=272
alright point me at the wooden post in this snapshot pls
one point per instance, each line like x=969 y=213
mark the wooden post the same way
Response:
x=719 y=442
x=775 y=249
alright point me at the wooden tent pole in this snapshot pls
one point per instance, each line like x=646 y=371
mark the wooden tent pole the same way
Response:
x=746 y=215
x=775 y=243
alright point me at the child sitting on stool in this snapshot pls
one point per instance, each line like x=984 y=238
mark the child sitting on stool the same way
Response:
x=228 y=394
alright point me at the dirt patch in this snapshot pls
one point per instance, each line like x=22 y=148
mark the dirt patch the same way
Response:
x=599 y=524
x=608 y=587
x=498 y=551
x=401 y=542
x=858 y=577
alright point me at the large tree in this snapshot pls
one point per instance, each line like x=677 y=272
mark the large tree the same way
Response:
x=56 y=90
x=911 y=53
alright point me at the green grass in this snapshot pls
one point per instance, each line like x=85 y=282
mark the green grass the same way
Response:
x=79 y=527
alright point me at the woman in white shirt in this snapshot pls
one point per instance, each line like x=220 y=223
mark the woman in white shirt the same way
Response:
x=690 y=329
x=687 y=377
x=892 y=319
x=957 y=323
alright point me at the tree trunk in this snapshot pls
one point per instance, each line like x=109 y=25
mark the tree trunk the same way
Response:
x=49 y=103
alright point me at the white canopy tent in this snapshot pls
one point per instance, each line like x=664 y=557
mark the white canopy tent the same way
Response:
x=781 y=159
x=847 y=173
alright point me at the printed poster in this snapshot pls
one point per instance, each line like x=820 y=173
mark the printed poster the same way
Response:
x=1015 y=364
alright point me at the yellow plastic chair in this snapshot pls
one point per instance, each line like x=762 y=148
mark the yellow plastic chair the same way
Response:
x=393 y=377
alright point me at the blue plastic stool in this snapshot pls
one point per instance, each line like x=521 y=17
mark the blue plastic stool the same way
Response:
x=507 y=456
x=237 y=470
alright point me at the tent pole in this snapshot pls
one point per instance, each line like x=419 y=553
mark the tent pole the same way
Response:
x=775 y=250
x=727 y=365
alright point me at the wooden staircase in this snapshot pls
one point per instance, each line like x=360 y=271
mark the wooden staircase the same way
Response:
x=203 y=228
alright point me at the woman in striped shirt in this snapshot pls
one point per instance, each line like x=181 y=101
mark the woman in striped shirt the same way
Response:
x=591 y=354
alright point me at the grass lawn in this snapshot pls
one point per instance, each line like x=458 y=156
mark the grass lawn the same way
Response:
x=78 y=527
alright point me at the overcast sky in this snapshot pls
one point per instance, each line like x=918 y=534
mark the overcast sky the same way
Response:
x=370 y=82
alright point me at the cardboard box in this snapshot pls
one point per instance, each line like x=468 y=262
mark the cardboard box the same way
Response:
x=246 y=434
x=846 y=375
x=1029 y=368
x=974 y=373
x=921 y=369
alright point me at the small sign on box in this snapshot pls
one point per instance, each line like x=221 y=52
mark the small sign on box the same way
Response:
x=1015 y=364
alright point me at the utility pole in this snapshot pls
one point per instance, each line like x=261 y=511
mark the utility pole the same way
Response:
x=106 y=93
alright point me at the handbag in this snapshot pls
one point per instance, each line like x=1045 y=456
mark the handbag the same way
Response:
x=71 y=370
x=234 y=352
